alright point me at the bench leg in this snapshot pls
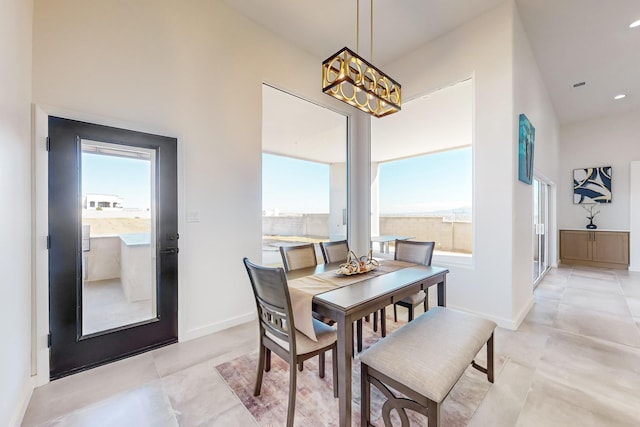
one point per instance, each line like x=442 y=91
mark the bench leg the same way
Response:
x=433 y=411
x=489 y=370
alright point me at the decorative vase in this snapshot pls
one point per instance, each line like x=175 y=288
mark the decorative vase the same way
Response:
x=591 y=225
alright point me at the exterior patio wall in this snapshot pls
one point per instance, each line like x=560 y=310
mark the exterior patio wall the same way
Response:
x=451 y=236
x=103 y=260
x=308 y=225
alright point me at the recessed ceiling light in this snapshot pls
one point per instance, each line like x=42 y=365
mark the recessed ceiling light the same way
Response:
x=622 y=95
x=635 y=24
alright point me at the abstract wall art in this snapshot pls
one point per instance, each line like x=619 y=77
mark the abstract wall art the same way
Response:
x=526 y=139
x=592 y=185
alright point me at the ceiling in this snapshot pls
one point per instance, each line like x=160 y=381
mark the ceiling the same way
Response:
x=439 y=121
x=573 y=40
x=586 y=41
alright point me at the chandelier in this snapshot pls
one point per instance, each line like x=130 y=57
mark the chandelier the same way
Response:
x=349 y=78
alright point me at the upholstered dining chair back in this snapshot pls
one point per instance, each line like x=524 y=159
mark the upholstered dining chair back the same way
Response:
x=272 y=301
x=412 y=251
x=334 y=251
x=300 y=256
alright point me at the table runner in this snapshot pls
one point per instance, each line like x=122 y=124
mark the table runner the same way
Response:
x=303 y=289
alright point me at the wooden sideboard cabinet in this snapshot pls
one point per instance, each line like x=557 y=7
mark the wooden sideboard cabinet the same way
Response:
x=608 y=249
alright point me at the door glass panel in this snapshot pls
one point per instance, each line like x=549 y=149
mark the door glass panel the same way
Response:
x=540 y=219
x=118 y=236
x=536 y=230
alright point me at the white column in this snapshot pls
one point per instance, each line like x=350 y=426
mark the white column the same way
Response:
x=375 y=199
x=337 y=201
x=359 y=179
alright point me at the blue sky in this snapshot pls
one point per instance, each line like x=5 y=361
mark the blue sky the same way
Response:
x=118 y=176
x=292 y=185
x=440 y=181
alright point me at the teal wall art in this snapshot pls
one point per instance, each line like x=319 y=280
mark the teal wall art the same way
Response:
x=526 y=139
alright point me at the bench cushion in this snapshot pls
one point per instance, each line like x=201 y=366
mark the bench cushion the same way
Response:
x=430 y=353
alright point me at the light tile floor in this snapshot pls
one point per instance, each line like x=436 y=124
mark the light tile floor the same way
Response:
x=575 y=361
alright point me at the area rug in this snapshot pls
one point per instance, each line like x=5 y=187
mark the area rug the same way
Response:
x=315 y=404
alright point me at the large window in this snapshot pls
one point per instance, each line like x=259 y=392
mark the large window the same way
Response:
x=422 y=173
x=304 y=173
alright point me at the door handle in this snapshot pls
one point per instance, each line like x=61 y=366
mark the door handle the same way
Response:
x=170 y=251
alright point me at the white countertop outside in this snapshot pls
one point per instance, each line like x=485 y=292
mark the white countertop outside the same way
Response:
x=136 y=239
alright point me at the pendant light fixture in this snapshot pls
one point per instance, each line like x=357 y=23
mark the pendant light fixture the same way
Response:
x=349 y=78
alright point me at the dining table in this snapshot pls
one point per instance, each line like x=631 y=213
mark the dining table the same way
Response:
x=346 y=299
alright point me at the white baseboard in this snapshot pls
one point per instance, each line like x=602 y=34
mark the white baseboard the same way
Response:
x=18 y=415
x=502 y=322
x=216 y=327
x=523 y=313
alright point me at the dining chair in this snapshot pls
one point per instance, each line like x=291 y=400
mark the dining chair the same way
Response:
x=279 y=335
x=337 y=251
x=418 y=253
x=299 y=256
x=302 y=256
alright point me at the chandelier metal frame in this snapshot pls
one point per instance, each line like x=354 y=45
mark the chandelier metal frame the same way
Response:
x=351 y=79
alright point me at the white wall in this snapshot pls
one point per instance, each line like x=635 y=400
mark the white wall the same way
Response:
x=492 y=49
x=15 y=217
x=611 y=141
x=192 y=70
x=531 y=98
x=480 y=49
x=634 y=220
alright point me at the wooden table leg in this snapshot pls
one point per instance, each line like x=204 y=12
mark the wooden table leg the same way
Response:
x=345 y=348
x=442 y=292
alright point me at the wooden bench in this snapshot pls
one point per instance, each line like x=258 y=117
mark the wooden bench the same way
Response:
x=423 y=360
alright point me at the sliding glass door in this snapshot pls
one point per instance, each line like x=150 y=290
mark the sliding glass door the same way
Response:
x=540 y=226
